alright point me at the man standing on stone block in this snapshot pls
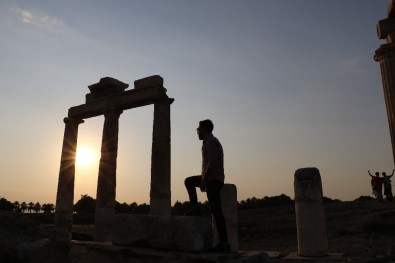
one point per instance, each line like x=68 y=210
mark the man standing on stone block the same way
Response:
x=210 y=181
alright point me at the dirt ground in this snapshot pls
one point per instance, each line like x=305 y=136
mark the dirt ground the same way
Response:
x=352 y=227
x=365 y=228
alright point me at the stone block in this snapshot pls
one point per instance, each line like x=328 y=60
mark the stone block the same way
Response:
x=229 y=208
x=310 y=213
x=385 y=27
x=390 y=9
x=182 y=233
x=148 y=82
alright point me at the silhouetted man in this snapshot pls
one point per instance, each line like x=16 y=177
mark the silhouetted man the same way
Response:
x=377 y=186
x=387 y=185
x=210 y=181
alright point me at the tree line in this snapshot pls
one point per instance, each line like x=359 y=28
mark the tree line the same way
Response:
x=24 y=207
x=87 y=205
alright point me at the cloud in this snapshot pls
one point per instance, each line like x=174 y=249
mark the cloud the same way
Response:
x=40 y=21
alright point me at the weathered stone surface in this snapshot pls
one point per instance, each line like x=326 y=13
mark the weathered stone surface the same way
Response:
x=182 y=233
x=105 y=87
x=18 y=232
x=229 y=208
x=149 y=82
x=385 y=27
x=108 y=84
x=310 y=214
x=390 y=9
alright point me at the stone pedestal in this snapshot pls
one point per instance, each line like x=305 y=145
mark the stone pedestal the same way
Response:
x=160 y=195
x=310 y=214
x=182 y=233
x=65 y=194
x=106 y=184
x=229 y=208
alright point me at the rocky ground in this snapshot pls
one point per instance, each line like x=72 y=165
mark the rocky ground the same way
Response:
x=363 y=230
x=358 y=229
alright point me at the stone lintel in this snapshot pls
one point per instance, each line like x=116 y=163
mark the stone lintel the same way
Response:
x=123 y=101
x=152 y=81
x=385 y=27
x=390 y=9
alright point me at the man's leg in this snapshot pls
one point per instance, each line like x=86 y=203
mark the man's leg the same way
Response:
x=214 y=198
x=191 y=183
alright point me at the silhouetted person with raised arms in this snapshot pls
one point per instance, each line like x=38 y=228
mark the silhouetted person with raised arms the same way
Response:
x=377 y=186
x=210 y=181
x=387 y=185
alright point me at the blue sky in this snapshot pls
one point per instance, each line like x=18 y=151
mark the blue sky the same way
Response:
x=288 y=84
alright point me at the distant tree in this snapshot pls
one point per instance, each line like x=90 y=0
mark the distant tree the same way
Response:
x=23 y=207
x=86 y=205
x=30 y=207
x=48 y=208
x=6 y=205
x=328 y=200
x=37 y=207
x=142 y=209
x=365 y=198
x=133 y=207
x=123 y=208
x=17 y=208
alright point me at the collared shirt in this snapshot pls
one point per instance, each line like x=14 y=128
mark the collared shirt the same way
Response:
x=212 y=159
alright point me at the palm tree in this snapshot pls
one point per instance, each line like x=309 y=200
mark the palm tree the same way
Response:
x=37 y=207
x=30 y=206
x=48 y=208
x=17 y=207
x=23 y=207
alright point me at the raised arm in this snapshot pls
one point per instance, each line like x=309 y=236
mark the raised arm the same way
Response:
x=370 y=173
x=392 y=173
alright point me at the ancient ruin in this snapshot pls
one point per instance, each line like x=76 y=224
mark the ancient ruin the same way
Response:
x=385 y=55
x=110 y=98
x=310 y=213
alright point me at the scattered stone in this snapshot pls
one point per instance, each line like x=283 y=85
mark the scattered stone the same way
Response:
x=182 y=233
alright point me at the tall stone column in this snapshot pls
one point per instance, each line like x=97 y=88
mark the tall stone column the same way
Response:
x=106 y=184
x=65 y=194
x=160 y=195
x=310 y=213
x=385 y=55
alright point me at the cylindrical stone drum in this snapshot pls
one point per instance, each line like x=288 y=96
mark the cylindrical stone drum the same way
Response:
x=310 y=214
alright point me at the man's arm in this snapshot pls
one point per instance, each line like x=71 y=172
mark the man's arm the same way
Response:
x=370 y=173
x=392 y=174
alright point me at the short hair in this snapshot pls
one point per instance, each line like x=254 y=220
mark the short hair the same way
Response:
x=207 y=124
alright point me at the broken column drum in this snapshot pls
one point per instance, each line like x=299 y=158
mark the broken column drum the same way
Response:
x=110 y=98
x=385 y=55
x=310 y=214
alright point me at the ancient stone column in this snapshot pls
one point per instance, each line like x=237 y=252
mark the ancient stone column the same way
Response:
x=310 y=214
x=229 y=208
x=385 y=55
x=65 y=194
x=106 y=184
x=160 y=195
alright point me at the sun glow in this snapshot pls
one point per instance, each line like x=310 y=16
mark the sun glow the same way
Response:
x=85 y=156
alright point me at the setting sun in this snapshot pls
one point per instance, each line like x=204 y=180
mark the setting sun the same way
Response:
x=85 y=156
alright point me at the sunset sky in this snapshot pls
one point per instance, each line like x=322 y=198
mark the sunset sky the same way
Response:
x=288 y=84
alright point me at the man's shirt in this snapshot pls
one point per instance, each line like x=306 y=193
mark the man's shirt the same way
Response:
x=212 y=159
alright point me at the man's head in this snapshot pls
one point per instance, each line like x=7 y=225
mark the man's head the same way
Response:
x=205 y=128
x=377 y=173
x=384 y=174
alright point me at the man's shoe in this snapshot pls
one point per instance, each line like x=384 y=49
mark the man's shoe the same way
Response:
x=195 y=211
x=220 y=248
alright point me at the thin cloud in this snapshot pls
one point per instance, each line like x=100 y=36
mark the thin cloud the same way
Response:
x=40 y=21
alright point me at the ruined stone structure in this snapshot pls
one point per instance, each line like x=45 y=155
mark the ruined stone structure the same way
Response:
x=385 y=55
x=310 y=214
x=110 y=98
